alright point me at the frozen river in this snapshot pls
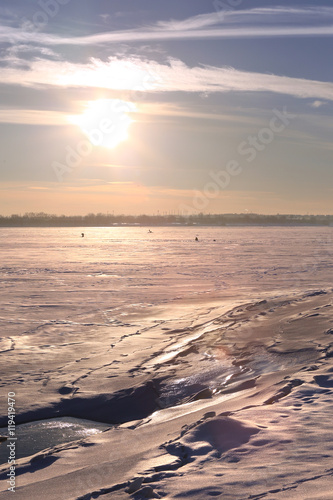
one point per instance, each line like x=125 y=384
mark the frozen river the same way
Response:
x=151 y=333
x=52 y=268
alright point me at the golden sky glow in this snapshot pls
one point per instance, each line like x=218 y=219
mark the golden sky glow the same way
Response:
x=112 y=106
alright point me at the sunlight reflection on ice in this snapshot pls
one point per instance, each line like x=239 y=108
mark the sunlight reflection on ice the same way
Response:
x=33 y=437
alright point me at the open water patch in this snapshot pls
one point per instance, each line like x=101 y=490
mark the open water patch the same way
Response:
x=33 y=437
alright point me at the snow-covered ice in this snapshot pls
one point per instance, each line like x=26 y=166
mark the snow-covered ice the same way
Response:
x=210 y=360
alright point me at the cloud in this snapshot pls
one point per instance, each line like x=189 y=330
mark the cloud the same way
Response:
x=278 y=14
x=233 y=23
x=33 y=117
x=20 y=54
x=145 y=75
x=17 y=36
x=195 y=22
x=261 y=15
x=105 y=17
x=317 y=104
x=147 y=110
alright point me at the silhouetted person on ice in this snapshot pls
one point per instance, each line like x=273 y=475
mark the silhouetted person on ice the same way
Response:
x=196 y=239
x=82 y=235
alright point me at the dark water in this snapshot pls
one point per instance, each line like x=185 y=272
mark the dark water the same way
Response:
x=36 y=436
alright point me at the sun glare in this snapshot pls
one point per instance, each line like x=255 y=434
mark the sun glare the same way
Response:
x=105 y=121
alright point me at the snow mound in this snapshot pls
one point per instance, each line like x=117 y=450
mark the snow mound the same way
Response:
x=220 y=434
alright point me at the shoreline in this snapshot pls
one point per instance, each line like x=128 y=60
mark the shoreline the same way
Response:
x=174 y=225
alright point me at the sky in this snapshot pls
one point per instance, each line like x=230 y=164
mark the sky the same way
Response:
x=144 y=106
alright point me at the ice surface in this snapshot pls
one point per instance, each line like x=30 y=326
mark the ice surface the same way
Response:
x=211 y=359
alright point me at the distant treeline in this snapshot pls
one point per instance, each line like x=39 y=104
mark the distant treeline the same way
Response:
x=102 y=220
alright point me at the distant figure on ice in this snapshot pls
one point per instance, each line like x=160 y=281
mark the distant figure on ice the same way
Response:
x=82 y=235
x=149 y=231
x=196 y=238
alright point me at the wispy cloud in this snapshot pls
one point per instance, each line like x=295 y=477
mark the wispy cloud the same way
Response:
x=17 y=36
x=280 y=14
x=262 y=15
x=195 y=22
x=317 y=104
x=147 y=110
x=33 y=117
x=251 y=23
x=136 y=74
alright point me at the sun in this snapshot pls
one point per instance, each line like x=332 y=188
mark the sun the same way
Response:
x=105 y=121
